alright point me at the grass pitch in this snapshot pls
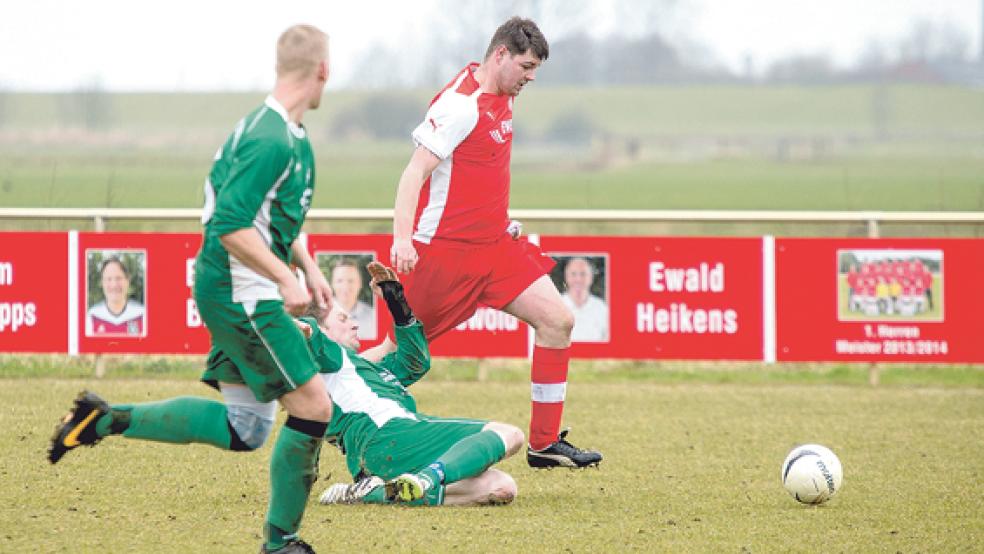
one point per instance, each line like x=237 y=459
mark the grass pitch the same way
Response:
x=689 y=467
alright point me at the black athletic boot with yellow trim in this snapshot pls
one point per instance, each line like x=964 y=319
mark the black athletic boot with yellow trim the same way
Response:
x=78 y=427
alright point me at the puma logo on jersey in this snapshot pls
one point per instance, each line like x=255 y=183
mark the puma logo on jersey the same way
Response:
x=306 y=199
x=433 y=123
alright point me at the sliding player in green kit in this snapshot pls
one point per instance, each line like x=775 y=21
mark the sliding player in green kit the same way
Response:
x=395 y=453
x=256 y=198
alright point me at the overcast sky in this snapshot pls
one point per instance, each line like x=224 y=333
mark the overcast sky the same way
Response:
x=52 y=45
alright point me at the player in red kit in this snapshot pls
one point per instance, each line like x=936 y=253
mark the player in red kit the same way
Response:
x=452 y=233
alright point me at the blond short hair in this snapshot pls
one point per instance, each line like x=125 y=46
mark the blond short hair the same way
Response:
x=300 y=49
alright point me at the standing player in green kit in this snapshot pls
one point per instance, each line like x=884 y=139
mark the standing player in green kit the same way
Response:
x=256 y=197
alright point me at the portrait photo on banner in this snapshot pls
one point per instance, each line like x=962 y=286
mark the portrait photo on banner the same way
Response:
x=889 y=285
x=349 y=279
x=582 y=279
x=115 y=295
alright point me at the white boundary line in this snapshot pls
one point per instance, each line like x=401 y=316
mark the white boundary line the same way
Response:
x=769 y=299
x=73 y=293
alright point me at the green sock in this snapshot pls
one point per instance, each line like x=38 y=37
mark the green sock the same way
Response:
x=115 y=422
x=181 y=420
x=276 y=537
x=293 y=469
x=466 y=458
x=433 y=497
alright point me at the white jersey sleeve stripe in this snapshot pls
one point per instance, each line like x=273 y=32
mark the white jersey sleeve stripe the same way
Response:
x=449 y=120
x=430 y=216
x=352 y=395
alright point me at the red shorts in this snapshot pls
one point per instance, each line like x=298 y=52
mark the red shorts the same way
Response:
x=450 y=280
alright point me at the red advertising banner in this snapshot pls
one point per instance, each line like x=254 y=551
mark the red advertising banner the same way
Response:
x=135 y=294
x=343 y=258
x=879 y=300
x=34 y=292
x=872 y=300
x=666 y=298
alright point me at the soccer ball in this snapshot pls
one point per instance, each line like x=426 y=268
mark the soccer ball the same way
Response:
x=812 y=473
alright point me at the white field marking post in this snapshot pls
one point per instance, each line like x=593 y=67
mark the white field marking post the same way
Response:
x=73 y=293
x=769 y=299
x=873 y=228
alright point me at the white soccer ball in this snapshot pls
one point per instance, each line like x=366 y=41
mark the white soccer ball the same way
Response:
x=812 y=474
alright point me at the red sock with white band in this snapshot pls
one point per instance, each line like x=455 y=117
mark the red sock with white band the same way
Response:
x=548 y=388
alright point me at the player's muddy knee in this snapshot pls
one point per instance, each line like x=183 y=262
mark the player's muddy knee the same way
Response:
x=504 y=489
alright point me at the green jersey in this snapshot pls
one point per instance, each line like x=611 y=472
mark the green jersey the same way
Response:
x=366 y=395
x=263 y=177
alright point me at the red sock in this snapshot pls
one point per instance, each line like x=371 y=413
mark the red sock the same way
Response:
x=548 y=386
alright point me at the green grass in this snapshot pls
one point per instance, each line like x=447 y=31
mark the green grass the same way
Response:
x=643 y=111
x=690 y=467
x=700 y=147
x=511 y=371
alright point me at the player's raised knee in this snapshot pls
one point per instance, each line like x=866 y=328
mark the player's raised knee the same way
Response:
x=309 y=401
x=563 y=321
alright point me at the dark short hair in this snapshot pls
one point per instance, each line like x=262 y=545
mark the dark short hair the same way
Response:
x=317 y=312
x=346 y=262
x=114 y=260
x=519 y=35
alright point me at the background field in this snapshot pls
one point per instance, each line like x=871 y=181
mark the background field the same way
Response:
x=690 y=466
x=844 y=147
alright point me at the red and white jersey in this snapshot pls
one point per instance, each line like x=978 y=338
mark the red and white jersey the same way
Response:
x=101 y=321
x=466 y=198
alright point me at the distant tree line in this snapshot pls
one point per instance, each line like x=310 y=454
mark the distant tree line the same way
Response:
x=646 y=46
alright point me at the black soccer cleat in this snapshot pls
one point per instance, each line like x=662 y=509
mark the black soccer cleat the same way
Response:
x=78 y=427
x=295 y=546
x=562 y=454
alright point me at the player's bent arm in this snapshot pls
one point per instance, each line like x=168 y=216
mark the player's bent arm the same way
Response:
x=248 y=247
x=411 y=360
x=302 y=259
x=315 y=279
x=422 y=164
x=376 y=353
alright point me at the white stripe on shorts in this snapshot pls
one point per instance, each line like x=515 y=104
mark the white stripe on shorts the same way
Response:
x=555 y=392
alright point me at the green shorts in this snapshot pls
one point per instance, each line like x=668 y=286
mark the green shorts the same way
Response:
x=408 y=446
x=262 y=349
